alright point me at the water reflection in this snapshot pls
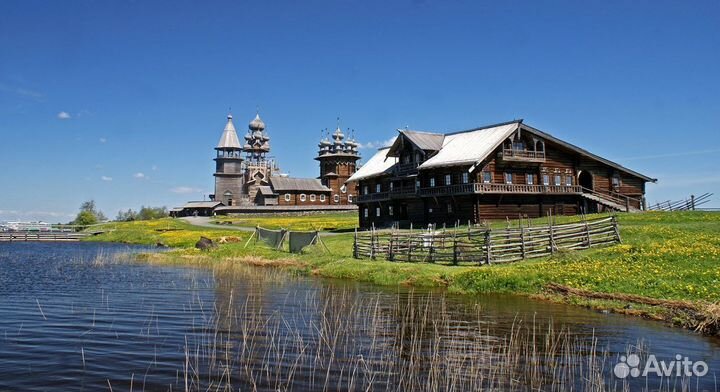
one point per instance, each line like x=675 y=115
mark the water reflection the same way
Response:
x=73 y=323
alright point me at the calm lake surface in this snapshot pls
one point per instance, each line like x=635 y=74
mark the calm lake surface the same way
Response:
x=80 y=317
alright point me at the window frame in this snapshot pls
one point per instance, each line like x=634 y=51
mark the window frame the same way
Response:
x=508 y=176
x=336 y=198
x=288 y=197
x=303 y=198
x=487 y=177
x=432 y=182
x=312 y=197
x=465 y=177
x=448 y=179
x=546 y=179
x=322 y=198
x=530 y=179
x=557 y=180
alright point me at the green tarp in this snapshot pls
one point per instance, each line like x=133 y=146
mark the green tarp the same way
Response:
x=301 y=239
x=271 y=237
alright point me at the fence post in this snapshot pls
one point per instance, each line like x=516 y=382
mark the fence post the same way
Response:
x=432 y=246
x=391 y=256
x=455 y=250
x=355 y=245
x=587 y=234
x=617 y=229
x=692 y=202
x=627 y=204
x=487 y=246
x=410 y=248
x=522 y=241
x=552 y=239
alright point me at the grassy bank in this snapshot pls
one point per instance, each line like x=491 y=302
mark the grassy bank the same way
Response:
x=328 y=221
x=673 y=258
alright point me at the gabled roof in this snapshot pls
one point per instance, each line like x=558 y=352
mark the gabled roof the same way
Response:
x=229 y=138
x=202 y=204
x=469 y=147
x=378 y=165
x=425 y=140
x=585 y=153
x=282 y=184
x=265 y=190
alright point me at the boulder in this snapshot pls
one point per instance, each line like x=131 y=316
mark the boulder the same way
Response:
x=205 y=244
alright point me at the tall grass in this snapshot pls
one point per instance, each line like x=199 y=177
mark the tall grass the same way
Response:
x=337 y=340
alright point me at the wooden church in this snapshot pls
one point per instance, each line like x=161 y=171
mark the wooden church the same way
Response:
x=500 y=171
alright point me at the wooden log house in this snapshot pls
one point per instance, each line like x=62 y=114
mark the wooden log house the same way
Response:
x=494 y=172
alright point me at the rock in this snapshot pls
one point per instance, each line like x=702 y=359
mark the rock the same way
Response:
x=205 y=244
x=160 y=245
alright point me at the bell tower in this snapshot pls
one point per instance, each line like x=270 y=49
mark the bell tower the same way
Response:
x=338 y=161
x=228 y=166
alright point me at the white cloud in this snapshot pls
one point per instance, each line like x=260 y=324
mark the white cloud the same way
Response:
x=64 y=116
x=23 y=92
x=185 y=190
x=154 y=168
x=33 y=215
x=102 y=140
x=140 y=176
x=106 y=178
x=378 y=144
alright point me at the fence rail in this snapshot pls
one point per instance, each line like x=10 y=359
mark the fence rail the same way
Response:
x=482 y=245
x=690 y=204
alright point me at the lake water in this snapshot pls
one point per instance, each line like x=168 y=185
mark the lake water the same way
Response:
x=78 y=317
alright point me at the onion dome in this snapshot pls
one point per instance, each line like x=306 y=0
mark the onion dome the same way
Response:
x=257 y=124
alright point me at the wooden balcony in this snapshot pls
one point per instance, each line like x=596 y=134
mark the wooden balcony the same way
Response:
x=377 y=196
x=405 y=169
x=526 y=189
x=511 y=155
x=470 y=188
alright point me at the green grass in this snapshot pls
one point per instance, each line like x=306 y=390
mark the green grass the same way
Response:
x=171 y=232
x=328 y=221
x=664 y=255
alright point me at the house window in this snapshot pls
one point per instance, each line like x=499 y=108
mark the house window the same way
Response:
x=365 y=212
x=557 y=179
x=378 y=188
x=336 y=198
x=430 y=210
x=390 y=210
x=508 y=178
x=569 y=180
x=322 y=197
x=616 y=181
x=546 y=179
x=487 y=177
x=448 y=179
x=365 y=190
x=343 y=189
x=417 y=184
x=392 y=185
x=530 y=179
x=287 y=197
x=465 y=178
x=432 y=181
x=350 y=198
x=449 y=208
x=312 y=197
x=377 y=211
x=303 y=197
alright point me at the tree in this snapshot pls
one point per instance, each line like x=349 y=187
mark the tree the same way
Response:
x=89 y=206
x=84 y=219
x=88 y=215
x=126 y=216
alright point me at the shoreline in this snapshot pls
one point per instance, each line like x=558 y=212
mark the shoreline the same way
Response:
x=667 y=269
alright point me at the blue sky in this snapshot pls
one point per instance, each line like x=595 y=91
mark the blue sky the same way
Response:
x=122 y=102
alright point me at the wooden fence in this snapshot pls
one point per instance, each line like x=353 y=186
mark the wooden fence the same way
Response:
x=482 y=245
x=12 y=236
